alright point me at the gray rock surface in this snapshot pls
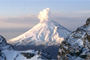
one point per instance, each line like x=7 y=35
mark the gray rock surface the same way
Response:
x=77 y=45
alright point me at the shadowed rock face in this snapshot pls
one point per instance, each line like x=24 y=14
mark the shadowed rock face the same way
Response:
x=27 y=55
x=77 y=45
x=88 y=21
x=3 y=44
x=41 y=55
x=2 y=40
x=53 y=50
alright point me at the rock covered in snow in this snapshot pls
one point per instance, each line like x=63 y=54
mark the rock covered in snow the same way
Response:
x=26 y=55
x=35 y=55
x=4 y=44
x=2 y=40
x=8 y=53
x=88 y=21
x=77 y=45
x=2 y=56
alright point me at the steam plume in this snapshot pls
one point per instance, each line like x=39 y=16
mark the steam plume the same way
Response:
x=44 y=15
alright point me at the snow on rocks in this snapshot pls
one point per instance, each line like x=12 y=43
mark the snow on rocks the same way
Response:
x=2 y=40
x=8 y=53
x=35 y=55
x=77 y=45
x=2 y=56
x=3 y=44
x=26 y=55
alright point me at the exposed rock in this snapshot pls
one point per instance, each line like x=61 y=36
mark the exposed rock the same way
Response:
x=8 y=53
x=44 y=54
x=36 y=55
x=27 y=55
x=77 y=45
x=2 y=40
x=88 y=21
x=3 y=44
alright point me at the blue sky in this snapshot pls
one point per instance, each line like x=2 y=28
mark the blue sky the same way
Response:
x=18 y=8
x=18 y=16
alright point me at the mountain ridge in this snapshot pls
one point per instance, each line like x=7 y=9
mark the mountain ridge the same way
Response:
x=77 y=45
x=42 y=33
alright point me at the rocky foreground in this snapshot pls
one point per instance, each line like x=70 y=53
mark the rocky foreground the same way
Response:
x=77 y=45
x=8 y=53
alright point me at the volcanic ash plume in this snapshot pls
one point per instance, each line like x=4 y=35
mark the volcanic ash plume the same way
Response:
x=44 y=15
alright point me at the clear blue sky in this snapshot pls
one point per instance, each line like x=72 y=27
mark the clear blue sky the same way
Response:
x=18 y=16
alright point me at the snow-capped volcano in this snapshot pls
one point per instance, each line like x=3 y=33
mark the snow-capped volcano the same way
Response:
x=46 y=33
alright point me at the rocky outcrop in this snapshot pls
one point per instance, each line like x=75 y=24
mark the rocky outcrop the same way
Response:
x=8 y=53
x=35 y=55
x=3 y=44
x=2 y=40
x=43 y=54
x=77 y=45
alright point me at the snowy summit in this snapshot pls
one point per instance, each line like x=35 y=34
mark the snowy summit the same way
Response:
x=47 y=32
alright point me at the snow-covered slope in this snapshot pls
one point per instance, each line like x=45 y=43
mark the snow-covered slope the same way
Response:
x=25 y=55
x=77 y=45
x=2 y=56
x=46 y=33
x=8 y=53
